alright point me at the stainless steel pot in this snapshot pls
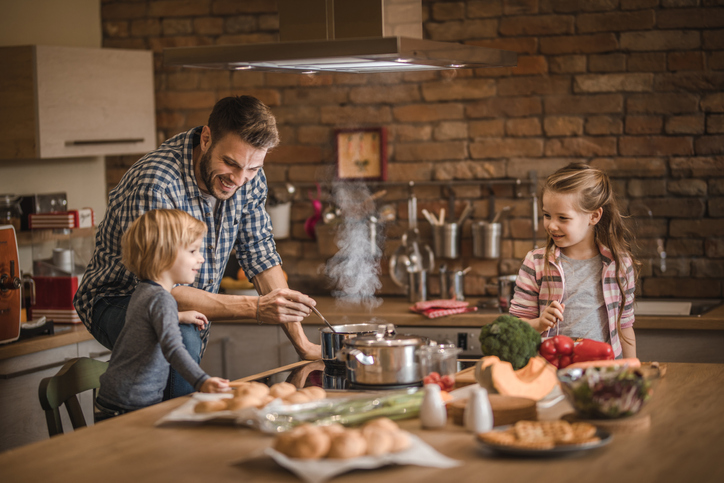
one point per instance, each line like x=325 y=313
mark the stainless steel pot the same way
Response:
x=378 y=360
x=332 y=342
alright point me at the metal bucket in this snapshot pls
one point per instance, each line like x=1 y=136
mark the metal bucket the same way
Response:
x=486 y=239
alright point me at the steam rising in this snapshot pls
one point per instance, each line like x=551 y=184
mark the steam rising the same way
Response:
x=355 y=269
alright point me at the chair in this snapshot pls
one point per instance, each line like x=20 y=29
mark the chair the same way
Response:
x=76 y=376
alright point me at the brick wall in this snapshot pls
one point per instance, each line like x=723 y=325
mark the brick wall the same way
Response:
x=631 y=86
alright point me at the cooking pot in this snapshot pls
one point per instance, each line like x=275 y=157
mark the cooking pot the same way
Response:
x=379 y=360
x=332 y=342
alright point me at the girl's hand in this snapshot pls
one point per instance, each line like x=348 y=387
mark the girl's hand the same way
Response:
x=192 y=317
x=215 y=384
x=550 y=316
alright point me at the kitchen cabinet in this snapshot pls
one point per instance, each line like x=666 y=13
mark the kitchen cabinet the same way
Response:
x=239 y=350
x=21 y=417
x=59 y=102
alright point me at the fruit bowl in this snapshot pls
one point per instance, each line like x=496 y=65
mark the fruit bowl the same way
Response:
x=606 y=392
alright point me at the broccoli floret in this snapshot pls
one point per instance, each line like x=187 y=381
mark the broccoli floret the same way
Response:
x=511 y=339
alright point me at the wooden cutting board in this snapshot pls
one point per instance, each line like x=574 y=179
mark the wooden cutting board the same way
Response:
x=465 y=377
x=506 y=409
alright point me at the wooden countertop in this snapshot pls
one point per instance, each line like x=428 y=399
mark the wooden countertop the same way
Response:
x=64 y=335
x=682 y=444
x=395 y=310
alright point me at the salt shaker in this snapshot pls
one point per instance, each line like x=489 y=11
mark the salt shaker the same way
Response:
x=433 y=414
x=478 y=416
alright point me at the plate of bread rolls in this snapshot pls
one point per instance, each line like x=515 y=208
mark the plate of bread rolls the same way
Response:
x=245 y=402
x=317 y=453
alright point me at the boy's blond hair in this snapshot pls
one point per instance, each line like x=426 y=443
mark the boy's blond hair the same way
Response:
x=150 y=245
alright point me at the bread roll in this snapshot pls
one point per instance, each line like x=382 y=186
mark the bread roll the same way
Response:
x=306 y=443
x=349 y=444
x=296 y=398
x=212 y=406
x=314 y=393
x=384 y=423
x=282 y=389
x=255 y=389
x=242 y=402
x=379 y=440
x=332 y=429
x=400 y=441
x=266 y=400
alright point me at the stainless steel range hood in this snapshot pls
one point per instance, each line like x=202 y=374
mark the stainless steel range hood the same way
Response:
x=359 y=36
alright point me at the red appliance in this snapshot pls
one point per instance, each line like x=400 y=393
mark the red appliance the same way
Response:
x=10 y=298
x=62 y=246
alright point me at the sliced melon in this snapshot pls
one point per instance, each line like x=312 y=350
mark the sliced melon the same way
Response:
x=534 y=381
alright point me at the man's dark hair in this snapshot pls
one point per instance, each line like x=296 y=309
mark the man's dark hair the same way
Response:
x=246 y=117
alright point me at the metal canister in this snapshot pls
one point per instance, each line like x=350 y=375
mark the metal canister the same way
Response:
x=486 y=239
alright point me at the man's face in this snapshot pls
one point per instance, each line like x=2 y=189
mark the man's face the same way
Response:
x=226 y=164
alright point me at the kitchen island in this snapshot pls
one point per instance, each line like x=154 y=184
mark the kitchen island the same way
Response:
x=682 y=444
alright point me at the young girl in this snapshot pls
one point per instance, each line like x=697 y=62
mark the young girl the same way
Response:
x=582 y=283
x=162 y=248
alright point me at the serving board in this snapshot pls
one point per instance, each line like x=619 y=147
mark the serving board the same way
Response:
x=506 y=409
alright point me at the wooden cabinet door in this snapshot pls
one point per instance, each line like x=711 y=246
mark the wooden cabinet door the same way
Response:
x=94 y=101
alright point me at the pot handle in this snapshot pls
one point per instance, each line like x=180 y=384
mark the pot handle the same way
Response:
x=344 y=353
x=384 y=330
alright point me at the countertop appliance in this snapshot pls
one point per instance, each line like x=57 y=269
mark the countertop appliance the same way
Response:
x=10 y=299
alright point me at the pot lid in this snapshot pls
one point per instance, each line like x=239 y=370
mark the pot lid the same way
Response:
x=398 y=340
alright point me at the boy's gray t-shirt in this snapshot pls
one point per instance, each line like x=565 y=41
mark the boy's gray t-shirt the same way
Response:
x=585 y=313
x=150 y=340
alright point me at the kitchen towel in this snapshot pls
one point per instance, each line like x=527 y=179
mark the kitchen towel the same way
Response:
x=433 y=309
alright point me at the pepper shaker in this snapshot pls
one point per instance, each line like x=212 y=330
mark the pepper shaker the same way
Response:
x=478 y=416
x=433 y=414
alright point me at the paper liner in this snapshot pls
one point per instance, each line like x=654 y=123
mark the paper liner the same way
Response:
x=318 y=471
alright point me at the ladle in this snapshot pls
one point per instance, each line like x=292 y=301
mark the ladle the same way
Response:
x=314 y=309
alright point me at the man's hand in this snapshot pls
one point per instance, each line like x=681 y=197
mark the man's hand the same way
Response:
x=215 y=384
x=193 y=317
x=284 y=306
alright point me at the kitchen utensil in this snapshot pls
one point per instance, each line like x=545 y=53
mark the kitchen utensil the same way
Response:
x=10 y=297
x=429 y=217
x=417 y=286
x=505 y=210
x=314 y=309
x=467 y=211
x=446 y=240
x=410 y=256
x=506 y=290
x=486 y=239
x=332 y=340
x=379 y=360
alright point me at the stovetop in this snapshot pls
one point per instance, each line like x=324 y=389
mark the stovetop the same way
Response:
x=317 y=374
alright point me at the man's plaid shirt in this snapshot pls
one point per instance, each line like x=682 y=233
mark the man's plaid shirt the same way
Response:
x=165 y=178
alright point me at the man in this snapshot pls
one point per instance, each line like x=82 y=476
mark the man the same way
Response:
x=214 y=173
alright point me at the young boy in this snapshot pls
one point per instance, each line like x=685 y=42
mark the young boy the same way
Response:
x=162 y=248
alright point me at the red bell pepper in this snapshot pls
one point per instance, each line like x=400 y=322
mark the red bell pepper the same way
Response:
x=592 y=350
x=557 y=350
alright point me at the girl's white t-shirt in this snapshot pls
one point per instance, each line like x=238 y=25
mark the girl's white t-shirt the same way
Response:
x=585 y=313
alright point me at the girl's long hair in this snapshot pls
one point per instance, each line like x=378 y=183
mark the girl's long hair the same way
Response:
x=593 y=190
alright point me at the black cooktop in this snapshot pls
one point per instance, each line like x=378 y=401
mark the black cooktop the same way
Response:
x=316 y=374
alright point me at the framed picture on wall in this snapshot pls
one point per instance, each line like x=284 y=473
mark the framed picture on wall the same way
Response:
x=361 y=154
